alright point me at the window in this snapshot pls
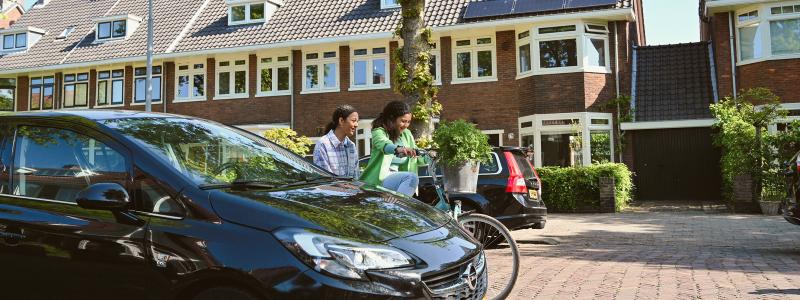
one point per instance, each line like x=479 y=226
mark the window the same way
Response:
x=570 y=48
x=67 y=31
x=112 y=29
x=42 y=91
x=274 y=75
x=321 y=71
x=110 y=87
x=246 y=13
x=190 y=82
x=768 y=32
x=389 y=4
x=76 y=90
x=474 y=59
x=524 y=64
x=568 y=139
x=436 y=64
x=150 y=196
x=232 y=79
x=8 y=91
x=56 y=164
x=15 y=41
x=140 y=85
x=370 y=68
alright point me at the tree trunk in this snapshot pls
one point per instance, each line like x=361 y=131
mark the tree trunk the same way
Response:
x=412 y=32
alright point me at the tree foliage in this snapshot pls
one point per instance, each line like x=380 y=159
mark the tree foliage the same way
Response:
x=289 y=139
x=740 y=124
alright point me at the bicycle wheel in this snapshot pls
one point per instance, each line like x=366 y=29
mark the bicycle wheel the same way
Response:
x=502 y=254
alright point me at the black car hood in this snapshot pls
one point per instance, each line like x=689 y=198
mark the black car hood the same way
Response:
x=346 y=209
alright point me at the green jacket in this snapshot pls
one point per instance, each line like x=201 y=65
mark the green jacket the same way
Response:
x=382 y=154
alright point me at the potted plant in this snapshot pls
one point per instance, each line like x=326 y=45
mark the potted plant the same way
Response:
x=461 y=149
x=772 y=195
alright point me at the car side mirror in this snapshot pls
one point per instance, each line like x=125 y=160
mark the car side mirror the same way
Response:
x=103 y=196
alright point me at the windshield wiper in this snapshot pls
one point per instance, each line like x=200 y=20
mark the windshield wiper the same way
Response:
x=313 y=180
x=238 y=184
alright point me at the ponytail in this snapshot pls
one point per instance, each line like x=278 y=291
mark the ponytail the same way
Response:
x=341 y=112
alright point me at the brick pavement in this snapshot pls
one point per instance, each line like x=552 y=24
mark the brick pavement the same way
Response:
x=667 y=255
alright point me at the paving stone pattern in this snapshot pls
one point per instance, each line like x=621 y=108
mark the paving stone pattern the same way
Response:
x=660 y=255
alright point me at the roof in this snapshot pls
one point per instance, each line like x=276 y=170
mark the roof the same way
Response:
x=177 y=26
x=673 y=82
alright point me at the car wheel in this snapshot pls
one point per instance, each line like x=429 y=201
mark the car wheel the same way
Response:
x=539 y=225
x=225 y=293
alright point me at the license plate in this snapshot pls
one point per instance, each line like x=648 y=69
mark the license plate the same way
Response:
x=534 y=194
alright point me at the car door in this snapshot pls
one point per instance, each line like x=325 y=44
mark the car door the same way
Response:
x=51 y=248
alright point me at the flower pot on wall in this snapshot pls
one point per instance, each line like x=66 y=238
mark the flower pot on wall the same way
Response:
x=461 y=179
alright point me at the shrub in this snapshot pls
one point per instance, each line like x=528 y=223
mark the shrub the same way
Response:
x=460 y=142
x=577 y=189
x=289 y=139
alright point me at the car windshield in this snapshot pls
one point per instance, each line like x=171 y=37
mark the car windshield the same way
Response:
x=210 y=153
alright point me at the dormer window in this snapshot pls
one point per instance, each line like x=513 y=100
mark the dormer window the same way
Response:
x=20 y=39
x=251 y=11
x=389 y=4
x=116 y=27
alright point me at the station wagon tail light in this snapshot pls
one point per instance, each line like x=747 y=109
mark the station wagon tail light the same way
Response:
x=516 y=179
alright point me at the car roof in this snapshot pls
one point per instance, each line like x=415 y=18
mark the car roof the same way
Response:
x=93 y=115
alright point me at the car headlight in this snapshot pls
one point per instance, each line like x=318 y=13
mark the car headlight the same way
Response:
x=339 y=256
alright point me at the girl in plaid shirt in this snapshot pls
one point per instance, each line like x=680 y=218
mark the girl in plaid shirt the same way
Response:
x=335 y=151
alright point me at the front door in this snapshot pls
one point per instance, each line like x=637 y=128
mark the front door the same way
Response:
x=49 y=247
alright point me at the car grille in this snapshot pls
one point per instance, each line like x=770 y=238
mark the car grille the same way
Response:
x=449 y=285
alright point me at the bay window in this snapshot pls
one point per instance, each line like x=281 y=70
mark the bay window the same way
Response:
x=274 y=75
x=190 y=82
x=110 y=87
x=370 y=68
x=474 y=59
x=140 y=85
x=321 y=72
x=568 y=139
x=76 y=90
x=581 y=47
x=768 y=31
x=42 y=92
x=232 y=79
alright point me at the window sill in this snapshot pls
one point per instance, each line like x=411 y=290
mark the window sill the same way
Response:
x=370 y=88
x=185 y=100
x=571 y=70
x=232 y=97
x=320 y=91
x=525 y=75
x=274 y=94
x=476 y=80
x=109 y=106
x=768 y=58
x=108 y=40
x=144 y=104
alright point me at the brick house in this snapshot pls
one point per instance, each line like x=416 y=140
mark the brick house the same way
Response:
x=526 y=72
x=11 y=11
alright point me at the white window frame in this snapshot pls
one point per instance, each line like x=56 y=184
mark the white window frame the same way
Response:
x=31 y=36
x=275 y=65
x=539 y=128
x=436 y=52
x=144 y=76
x=473 y=50
x=247 y=5
x=386 y=4
x=582 y=36
x=75 y=82
x=499 y=132
x=521 y=42
x=369 y=58
x=320 y=62
x=191 y=72
x=764 y=33
x=232 y=68
x=110 y=87
x=131 y=23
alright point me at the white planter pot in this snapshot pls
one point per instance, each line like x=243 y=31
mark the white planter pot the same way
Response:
x=462 y=179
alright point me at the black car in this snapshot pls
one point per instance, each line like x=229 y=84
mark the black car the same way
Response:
x=509 y=189
x=790 y=208
x=127 y=205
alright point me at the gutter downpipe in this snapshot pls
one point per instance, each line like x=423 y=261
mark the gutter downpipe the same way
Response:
x=633 y=84
x=616 y=74
x=733 y=54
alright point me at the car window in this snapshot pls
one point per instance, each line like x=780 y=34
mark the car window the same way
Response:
x=56 y=164
x=150 y=196
x=490 y=167
x=524 y=165
x=5 y=155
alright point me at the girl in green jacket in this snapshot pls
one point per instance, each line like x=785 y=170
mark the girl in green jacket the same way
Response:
x=393 y=162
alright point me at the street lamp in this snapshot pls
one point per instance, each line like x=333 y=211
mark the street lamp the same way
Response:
x=149 y=81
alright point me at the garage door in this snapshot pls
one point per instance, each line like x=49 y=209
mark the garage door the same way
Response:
x=676 y=164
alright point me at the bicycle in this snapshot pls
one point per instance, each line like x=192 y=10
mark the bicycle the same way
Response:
x=498 y=245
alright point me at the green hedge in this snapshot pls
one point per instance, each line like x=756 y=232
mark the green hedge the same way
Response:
x=577 y=189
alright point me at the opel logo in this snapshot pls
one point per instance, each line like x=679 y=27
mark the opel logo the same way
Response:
x=470 y=277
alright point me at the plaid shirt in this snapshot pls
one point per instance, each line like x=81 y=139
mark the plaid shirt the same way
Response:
x=338 y=157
